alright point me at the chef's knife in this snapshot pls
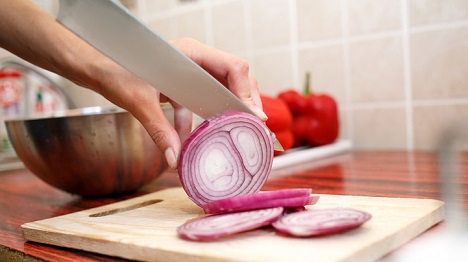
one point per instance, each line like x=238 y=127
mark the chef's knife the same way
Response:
x=112 y=29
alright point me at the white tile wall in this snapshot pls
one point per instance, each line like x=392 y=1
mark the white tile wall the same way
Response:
x=376 y=67
x=390 y=63
x=229 y=26
x=318 y=19
x=326 y=65
x=399 y=68
x=370 y=16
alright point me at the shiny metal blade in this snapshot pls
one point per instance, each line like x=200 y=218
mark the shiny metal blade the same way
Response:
x=113 y=30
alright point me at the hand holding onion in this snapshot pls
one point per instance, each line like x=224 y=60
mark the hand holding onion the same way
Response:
x=226 y=156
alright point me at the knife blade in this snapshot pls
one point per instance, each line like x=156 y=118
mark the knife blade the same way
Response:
x=113 y=30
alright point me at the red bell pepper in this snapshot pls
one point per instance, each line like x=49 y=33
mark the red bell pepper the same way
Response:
x=315 y=116
x=280 y=120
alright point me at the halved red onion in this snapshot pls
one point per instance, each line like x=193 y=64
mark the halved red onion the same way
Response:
x=275 y=198
x=226 y=156
x=215 y=226
x=321 y=221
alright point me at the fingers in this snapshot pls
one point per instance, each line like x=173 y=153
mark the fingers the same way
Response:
x=182 y=121
x=143 y=101
x=230 y=70
x=164 y=136
x=255 y=92
x=68 y=55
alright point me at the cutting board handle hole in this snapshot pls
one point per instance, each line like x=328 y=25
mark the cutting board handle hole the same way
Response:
x=127 y=208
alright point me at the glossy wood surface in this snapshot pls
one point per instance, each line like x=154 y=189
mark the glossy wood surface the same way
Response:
x=24 y=198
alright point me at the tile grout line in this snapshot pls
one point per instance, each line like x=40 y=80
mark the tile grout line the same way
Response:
x=414 y=103
x=407 y=75
x=347 y=69
x=378 y=105
x=209 y=38
x=272 y=50
x=441 y=102
x=294 y=42
x=309 y=44
x=365 y=37
x=438 y=26
x=248 y=34
x=142 y=9
x=174 y=11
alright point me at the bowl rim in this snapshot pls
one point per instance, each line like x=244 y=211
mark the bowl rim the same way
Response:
x=77 y=112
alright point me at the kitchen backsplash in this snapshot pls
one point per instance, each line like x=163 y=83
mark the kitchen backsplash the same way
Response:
x=398 y=68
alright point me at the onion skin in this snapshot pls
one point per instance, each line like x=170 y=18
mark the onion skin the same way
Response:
x=225 y=156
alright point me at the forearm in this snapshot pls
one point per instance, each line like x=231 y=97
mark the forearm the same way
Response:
x=38 y=38
x=35 y=36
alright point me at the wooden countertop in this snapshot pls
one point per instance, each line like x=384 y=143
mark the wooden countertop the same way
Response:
x=24 y=198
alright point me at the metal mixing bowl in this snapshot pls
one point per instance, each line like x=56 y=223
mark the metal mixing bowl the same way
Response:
x=90 y=151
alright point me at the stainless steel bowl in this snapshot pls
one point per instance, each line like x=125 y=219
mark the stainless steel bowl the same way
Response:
x=90 y=151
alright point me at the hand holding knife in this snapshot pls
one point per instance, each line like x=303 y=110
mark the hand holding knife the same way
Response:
x=114 y=31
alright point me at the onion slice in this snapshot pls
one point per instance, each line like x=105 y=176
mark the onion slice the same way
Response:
x=275 y=198
x=215 y=226
x=290 y=210
x=226 y=156
x=321 y=221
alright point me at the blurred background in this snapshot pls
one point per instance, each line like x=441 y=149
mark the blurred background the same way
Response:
x=398 y=68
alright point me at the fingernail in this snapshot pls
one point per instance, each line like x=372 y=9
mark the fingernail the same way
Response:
x=171 y=158
x=260 y=113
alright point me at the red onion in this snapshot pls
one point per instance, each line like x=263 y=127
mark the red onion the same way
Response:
x=215 y=226
x=321 y=221
x=275 y=198
x=290 y=210
x=226 y=156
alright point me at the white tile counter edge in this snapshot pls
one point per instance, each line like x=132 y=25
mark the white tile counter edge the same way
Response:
x=304 y=154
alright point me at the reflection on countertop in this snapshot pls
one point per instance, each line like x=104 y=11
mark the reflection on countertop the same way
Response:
x=9 y=161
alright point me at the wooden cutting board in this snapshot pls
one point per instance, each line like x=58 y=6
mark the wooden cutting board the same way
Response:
x=144 y=228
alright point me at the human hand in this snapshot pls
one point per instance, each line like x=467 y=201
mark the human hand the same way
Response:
x=60 y=51
x=231 y=71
